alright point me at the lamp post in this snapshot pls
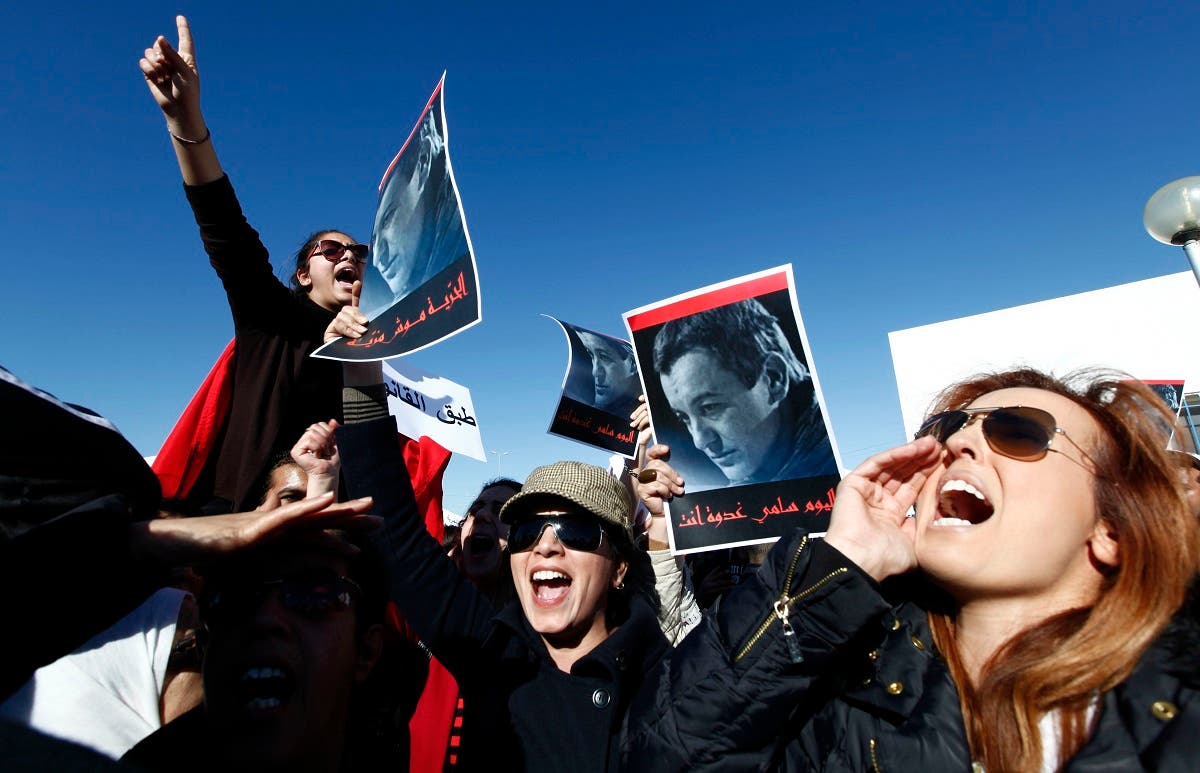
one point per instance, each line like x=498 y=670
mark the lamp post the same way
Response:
x=1172 y=216
x=498 y=455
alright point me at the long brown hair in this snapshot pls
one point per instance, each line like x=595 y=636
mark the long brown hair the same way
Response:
x=1063 y=663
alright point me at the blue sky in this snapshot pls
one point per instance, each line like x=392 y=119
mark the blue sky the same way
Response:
x=914 y=162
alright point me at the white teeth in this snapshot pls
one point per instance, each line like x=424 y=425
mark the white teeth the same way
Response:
x=962 y=485
x=263 y=673
x=262 y=704
x=546 y=574
x=948 y=521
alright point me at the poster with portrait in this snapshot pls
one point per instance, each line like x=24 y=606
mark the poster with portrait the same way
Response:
x=599 y=390
x=732 y=389
x=436 y=407
x=420 y=285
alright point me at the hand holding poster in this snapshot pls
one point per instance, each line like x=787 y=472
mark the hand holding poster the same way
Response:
x=421 y=285
x=599 y=391
x=732 y=390
x=424 y=404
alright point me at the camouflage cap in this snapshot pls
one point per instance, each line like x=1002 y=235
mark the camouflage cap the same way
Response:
x=585 y=485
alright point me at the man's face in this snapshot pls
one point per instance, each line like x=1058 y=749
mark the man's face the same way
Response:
x=613 y=374
x=278 y=674
x=735 y=426
x=288 y=483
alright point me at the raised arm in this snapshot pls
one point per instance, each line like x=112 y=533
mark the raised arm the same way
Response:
x=174 y=82
x=448 y=613
x=316 y=453
x=763 y=659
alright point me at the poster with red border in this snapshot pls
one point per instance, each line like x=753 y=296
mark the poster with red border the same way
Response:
x=730 y=382
x=421 y=284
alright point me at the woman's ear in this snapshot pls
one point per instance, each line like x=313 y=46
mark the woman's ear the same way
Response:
x=1103 y=545
x=619 y=575
x=302 y=277
x=370 y=647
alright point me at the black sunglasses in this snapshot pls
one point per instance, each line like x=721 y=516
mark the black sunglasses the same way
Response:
x=333 y=250
x=578 y=532
x=314 y=595
x=1018 y=432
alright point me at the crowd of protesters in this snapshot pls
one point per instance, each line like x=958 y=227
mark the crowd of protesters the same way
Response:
x=1011 y=591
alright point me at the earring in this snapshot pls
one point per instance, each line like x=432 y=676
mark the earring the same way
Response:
x=621 y=585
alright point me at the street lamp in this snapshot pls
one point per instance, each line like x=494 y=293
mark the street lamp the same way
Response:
x=498 y=455
x=1173 y=217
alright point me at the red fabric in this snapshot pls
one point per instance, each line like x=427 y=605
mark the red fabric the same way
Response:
x=186 y=449
x=429 y=728
x=426 y=462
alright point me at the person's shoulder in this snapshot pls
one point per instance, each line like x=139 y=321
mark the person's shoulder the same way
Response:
x=180 y=746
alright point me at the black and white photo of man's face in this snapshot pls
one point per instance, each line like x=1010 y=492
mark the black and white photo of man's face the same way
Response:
x=402 y=218
x=613 y=372
x=737 y=427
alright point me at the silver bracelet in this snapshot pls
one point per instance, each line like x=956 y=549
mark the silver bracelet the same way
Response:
x=207 y=136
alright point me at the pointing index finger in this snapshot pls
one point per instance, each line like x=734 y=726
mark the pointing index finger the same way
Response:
x=186 y=47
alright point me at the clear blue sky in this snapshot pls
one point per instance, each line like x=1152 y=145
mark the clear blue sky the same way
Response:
x=914 y=162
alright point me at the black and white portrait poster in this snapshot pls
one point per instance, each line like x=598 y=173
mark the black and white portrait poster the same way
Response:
x=729 y=379
x=599 y=391
x=421 y=285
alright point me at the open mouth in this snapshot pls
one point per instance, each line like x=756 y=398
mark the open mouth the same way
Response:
x=962 y=504
x=263 y=690
x=550 y=587
x=346 y=275
x=478 y=545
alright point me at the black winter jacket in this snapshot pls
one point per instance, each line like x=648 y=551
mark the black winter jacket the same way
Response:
x=520 y=711
x=858 y=686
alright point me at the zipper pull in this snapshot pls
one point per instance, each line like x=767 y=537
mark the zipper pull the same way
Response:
x=789 y=634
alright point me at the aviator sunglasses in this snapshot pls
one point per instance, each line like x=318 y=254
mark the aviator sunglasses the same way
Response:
x=314 y=595
x=1018 y=432
x=578 y=532
x=333 y=250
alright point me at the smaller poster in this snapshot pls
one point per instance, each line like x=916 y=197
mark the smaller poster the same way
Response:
x=424 y=404
x=599 y=391
x=421 y=284
x=731 y=386
x=1172 y=393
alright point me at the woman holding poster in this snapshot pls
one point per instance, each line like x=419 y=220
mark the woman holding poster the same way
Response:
x=277 y=390
x=1024 y=619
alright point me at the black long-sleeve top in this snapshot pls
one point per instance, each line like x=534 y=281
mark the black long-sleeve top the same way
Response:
x=278 y=390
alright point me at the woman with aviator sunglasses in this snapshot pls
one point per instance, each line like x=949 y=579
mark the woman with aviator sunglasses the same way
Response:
x=1025 y=619
x=278 y=391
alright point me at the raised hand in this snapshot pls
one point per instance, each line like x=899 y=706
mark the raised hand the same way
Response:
x=658 y=481
x=316 y=453
x=174 y=81
x=868 y=523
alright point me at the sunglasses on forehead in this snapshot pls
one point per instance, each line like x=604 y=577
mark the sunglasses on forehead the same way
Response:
x=578 y=532
x=333 y=250
x=314 y=595
x=1018 y=432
